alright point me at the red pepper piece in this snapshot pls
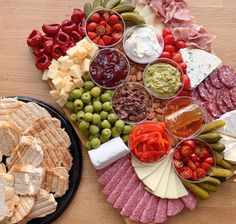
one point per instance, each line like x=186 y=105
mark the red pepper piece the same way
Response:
x=68 y=26
x=81 y=31
x=39 y=51
x=43 y=62
x=34 y=39
x=77 y=16
x=45 y=38
x=48 y=45
x=58 y=51
x=51 y=29
x=62 y=38
x=75 y=36
x=152 y=155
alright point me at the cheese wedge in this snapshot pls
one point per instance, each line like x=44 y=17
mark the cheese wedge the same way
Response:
x=146 y=11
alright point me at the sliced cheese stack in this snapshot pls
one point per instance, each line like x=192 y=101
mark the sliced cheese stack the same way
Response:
x=160 y=178
x=66 y=72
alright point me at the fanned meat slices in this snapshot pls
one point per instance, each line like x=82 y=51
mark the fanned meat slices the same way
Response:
x=215 y=79
x=189 y=201
x=220 y=101
x=213 y=109
x=227 y=100
x=161 y=213
x=203 y=92
x=227 y=76
x=232 y=94
x=210 y=87
x=174 y=207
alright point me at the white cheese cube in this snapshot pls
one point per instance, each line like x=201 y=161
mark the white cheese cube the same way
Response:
x=55 y=94
x=67 y=79
x=45 y=75
x=60 y=74
x=81 y=52
x=77 y=61
x=75 y=71
x=52 y=73
x=64 y=94
x=72 y=51
x=66 y=63
x=86 y=43
x=54 y=64
x=78 y=82
x=58 y=83
x=69 y=86
x=61 y=102
x=93 y=50
x=85 y=65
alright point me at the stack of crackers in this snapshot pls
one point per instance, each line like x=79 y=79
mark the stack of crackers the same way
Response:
x=35 y=161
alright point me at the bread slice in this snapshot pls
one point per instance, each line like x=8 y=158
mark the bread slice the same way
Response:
x=28 y=151
x=25 y=205
x=7 y=106
x=55 y=183
x=2 y=168
x=9 y=137
x=28 y=179
x=7 y=179
x=27 y=114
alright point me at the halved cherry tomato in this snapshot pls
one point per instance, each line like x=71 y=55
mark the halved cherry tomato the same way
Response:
x=180 y=44
x=191 y=165
x=186 y=82
x=197 y=164
x=166 y=31
x=170 y=49
x=194 y=157
x=194 y=175
x=198 y=150
x=177 y=58
x=209 y=160
x=186 y=173
x=205 y=166
x=206 y=152
x=177 y=154
x=178 y=164
x=200 y=172
x=186 y=150
x=190 y=143
x=169 y=39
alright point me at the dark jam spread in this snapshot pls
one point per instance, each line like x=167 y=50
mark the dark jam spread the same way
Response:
x=109 y=68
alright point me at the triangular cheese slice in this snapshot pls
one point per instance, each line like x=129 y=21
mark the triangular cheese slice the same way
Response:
x=200 y=64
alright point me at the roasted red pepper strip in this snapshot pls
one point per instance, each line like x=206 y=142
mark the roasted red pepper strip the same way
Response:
x=68 y=26
x=51 y=29
x=39 y=51
x=81 y=31
x=48 y=45
x=75 y=36
x=43 y=62
x=77 y=16
x=58 y=51
x=62 y=38
x=35 y=38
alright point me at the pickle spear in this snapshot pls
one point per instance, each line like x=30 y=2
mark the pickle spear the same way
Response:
x=208 y=187
x=212 y=126
x=210 y=137
x=213 y=181
x=221 y=162
x=220 y=172
x=133 y=17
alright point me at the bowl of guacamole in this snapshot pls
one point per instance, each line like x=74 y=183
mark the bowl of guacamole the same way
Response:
x=162 y=78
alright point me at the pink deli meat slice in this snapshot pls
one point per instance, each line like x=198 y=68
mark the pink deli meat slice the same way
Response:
x=136 y=214
x=174 y=207
x=127 y=192
x=133 y=201
x=149 y=212
x=215 y=79
x=108 y=174
x=122 y=184
x=227 y=76
x=161 y=214
x=232 y=94
x=111 y=185
x=189 y=201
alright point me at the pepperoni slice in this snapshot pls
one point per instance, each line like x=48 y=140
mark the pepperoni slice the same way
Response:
x=220 y=102
x=203 y=92
x=213 y=109
x=215 y=79
x=227 y=76
x=210 y=87
x=227 y=100
x=195 y=95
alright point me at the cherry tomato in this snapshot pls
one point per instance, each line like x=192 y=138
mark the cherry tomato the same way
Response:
x=194 y=157
x=165 y=54
x=205 y=152
x=92 y=26
x=194 y=175
x=201 y=173
x=190 y=143
x=198 y=150
x=169 y=39
x=205 y=166
x=191 y=165
x=180 y=44
x=183 y=66
x=186 y=81
x=170 y=49
x=166 y=31
x=95 y=17
x=186 y=151
x=209 y=160
x=178 y=164
x=177 y=58
x=197 y=164
x=177 y=154
x=186 y=173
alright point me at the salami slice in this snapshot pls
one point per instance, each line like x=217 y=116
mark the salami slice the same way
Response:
x=108 y=174
x=161 y=214
x=195 y=95
x=208 y=117
x=127 y=192
x=232 y=94
x=189 y=201
x=136 y=214
x=203 y=92
x=227 y=100
x=122 y=184
x=133 y=201
x=174 y=207
x=220 y=101
x=100 y=172
x=215 y=79
x=116 y=178
x=227 y=76
x=210 y=87
x=213 y=109
x=150 y=211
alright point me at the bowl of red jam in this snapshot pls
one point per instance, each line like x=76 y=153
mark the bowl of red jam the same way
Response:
x=109 y=68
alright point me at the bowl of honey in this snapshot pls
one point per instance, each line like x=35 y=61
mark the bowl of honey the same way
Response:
x=184 y=117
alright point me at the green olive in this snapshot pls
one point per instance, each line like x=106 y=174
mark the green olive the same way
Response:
x=112 y=118
x=93 y=129
x=95 y=143
x=88 y=117
x=125 y=138
x=107 y=106
x=127 y=129
x=96 y=119
x=119 y=125
x=88 y=85
x=80 y=115
x=86 y=77
x=105 y=97
x=97 y=106
x=104 y=138
x=106 y=132
x=88 y=109
x=106 y=124
x=76 y=94
x=96 y=91
x=83 y=125
x=78 y=104
x=70 y=105
x=73 y=117
x=115 y=132
x=103 y=115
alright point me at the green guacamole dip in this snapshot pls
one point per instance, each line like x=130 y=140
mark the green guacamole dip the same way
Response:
x=162 y=80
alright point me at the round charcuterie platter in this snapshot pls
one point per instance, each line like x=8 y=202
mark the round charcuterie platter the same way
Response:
x=154 y=105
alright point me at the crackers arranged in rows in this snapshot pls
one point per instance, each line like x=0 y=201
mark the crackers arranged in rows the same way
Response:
x=35 y=161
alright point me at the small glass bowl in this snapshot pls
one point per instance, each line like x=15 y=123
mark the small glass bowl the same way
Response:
x=168 y=62
x=130 y=85
x=101 y=11
x=204 y=144
x=133 y=155
x=185 y=101
x=127 y=35
x=121 y=54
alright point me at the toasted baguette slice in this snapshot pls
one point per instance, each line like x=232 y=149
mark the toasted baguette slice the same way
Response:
x=28 y=151
x=7 y=179
x=7 y=106
x=62 y=171
x=55 y=183
x=27 y=114
x=28 y=179
x=9 y=137
x=2 y=168
x=25 y=205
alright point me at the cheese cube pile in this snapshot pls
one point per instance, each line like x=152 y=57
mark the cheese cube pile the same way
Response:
x=66 y=72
